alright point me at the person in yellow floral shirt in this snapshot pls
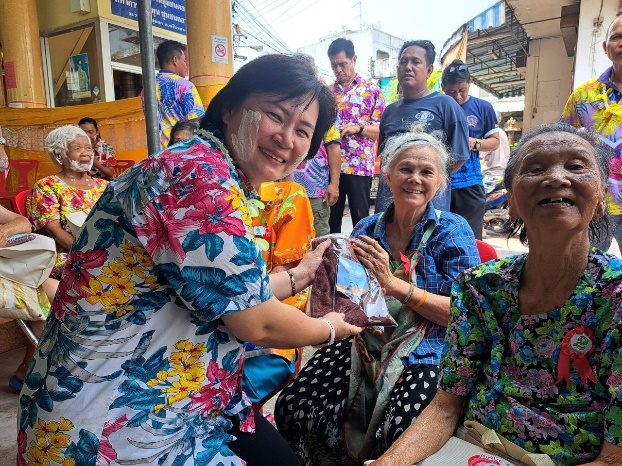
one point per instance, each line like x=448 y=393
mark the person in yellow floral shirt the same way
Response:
x=55 y=197
x=596 y=105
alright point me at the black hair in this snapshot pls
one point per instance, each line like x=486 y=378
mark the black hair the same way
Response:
x=181 y=126
x=341 y=45
x=89 y=120
x=430 y=52
x=284 y=77
x=598 y=227
x=167 y=50
x=453 y=74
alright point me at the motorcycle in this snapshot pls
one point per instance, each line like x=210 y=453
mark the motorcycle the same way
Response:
x=496 y=217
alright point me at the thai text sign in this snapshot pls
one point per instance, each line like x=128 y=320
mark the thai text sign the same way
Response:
x=165 y=14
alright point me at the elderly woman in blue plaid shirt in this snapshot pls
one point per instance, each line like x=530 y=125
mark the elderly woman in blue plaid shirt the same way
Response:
x=354 y=398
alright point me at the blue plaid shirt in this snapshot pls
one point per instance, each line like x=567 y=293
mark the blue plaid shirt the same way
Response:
x=450 y=250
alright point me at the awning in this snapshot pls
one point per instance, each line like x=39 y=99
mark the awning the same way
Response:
x=496 y=50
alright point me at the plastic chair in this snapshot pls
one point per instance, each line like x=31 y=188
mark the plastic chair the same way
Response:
x=20 y=202
x=24 y=167
x=121 y=166
x=486 y=251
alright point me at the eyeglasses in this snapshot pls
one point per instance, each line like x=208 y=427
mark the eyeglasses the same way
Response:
x=457 y=69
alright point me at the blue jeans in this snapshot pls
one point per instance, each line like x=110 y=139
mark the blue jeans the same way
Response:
x=615 y=231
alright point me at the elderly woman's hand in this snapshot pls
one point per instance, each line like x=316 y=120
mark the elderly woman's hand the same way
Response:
x=375 y=259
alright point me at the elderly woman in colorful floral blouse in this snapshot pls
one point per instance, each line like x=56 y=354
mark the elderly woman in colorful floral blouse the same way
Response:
x=534 y=343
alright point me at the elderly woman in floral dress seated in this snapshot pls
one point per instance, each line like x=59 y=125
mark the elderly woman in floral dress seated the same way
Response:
x=533 y=348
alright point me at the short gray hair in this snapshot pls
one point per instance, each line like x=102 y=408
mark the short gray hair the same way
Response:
x=58 y=141
x=416 y=136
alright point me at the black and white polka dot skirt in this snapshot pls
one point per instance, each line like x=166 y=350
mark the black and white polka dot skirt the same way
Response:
x=309 y=411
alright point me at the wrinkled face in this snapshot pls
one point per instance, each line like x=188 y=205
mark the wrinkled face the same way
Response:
x=268 y=139
x=556 y=185
x=458 y=91
x=343 y=67
x=91 y=131
x=412 y=70
x=182 y=135
x=415 y=176
x=613 y=44
x=79 y=155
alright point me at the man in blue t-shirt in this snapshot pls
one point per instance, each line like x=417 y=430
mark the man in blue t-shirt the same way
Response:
x=434 y=111
x=468 y=197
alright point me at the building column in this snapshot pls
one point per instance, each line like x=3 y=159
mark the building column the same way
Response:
x=21 y=46
x=207 y=23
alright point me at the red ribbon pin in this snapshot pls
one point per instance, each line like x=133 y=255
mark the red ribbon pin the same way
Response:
x=577 y=345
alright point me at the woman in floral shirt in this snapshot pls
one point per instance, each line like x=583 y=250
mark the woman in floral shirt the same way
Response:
x=141 y=358
x=533 y=348
x=55 y=197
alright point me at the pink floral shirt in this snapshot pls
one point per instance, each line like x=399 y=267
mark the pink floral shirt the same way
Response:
x=361 y=103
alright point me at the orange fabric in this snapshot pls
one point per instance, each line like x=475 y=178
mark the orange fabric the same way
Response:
x=286 y=224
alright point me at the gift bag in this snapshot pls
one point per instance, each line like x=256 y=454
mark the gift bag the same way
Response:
x=342 y=284
x=22 y=302
x=29 y=262
x=75 y=220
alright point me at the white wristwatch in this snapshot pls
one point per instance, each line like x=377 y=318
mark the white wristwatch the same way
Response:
x=2 y=141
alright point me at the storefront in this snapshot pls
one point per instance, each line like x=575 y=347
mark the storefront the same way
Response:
x=90 y=48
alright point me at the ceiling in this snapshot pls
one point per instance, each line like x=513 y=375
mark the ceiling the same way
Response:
x=497 y=55
x=540 y=18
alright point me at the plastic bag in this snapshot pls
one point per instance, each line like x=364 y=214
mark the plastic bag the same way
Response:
x=342 y=284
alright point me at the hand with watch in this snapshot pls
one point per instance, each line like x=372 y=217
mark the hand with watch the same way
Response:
x=477 y=145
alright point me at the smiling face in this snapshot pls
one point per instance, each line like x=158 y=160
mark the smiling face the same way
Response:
x=613 y=43
x=413 y=71
x=79 y=155
x=556 y=186
x=268 y=139
x=458 y=91
x=415 y=177
x=343 y=67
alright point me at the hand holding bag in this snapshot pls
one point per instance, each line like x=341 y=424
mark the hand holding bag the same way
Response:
x=28 y=263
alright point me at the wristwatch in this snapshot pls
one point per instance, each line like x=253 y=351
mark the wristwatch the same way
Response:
x=2 y=141
x=477 y=145
x=362 y=128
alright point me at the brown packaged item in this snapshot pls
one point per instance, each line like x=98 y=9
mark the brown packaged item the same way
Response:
x=342 y=284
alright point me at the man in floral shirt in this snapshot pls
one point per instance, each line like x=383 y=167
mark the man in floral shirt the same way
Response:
x=178 y=98
x=595 y=105
x=360 y=106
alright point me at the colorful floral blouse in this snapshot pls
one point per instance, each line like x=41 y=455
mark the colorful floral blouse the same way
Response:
x=314 y=174
x=508 y=364
x=135 y=365
x=105 y=154
x=360 y=103
x=52 y=199
x=597 y=105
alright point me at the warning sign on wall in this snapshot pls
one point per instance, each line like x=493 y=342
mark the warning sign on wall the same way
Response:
x=220 y=49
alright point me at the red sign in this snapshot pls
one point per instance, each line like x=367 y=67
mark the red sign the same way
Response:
x=220 y=50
